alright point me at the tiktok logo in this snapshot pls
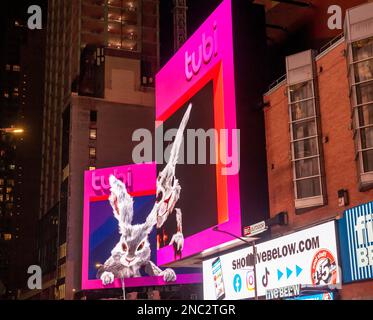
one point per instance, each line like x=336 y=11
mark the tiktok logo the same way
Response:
x=265 y=278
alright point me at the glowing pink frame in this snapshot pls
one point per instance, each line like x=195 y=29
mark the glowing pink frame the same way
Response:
x=144 y=183
x=173 y=90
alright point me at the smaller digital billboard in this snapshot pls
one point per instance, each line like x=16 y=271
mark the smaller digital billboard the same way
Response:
x=356 y=243
x=307 y=257
x=119 y=231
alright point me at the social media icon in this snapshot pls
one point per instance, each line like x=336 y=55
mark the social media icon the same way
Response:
x=237 y=283
x=250 y=280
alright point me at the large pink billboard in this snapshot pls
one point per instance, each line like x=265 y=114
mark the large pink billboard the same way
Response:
x=201 y=75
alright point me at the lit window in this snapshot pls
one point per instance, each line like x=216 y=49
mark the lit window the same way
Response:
x=7 y=236
x=9 y=190
x=62 y=251
x=10 y=182
x=16 y=68
x=1 y=198
x=92 y=168
x=92 y=152
x=93 y=134
x=306 y=154
x=1 y=182
x=12 y=167
x=7 y=67
x=305 y=132
x=62 y=271
x=362 y=100
x=6 y=95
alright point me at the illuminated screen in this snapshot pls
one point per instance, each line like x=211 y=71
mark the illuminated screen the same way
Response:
x=123 y=251
x=202 y=73
x=103 y=230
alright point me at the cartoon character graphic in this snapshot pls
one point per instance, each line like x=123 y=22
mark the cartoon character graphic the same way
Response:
x=168 y=188
x=133 y=252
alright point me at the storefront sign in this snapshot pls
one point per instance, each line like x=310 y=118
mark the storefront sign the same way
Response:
x=316 y=297
x=281 y=293
x=356 y=243
x=255 y=229
x=307 y=257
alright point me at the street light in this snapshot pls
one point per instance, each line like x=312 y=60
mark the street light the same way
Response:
x=281 y=219
x=12 y=130
x=251 y=243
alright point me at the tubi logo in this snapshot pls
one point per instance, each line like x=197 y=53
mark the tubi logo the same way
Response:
x=237 y=283
x=206 y=50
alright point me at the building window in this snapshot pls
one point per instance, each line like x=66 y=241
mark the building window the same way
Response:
x=92 y=153
x=16 y=68
x=362 y=89
x=1 y=198
x=7 y=67
x=62 y=271
x=359 y=38
x=7 y=236
x=361 y=80
x=93 y=116
x=61 y=292
x=92 y=168
x=305 y=148
x=1 y=182
x=305 y=131
x=62 y=251
x=93 y=134
x=10 y=182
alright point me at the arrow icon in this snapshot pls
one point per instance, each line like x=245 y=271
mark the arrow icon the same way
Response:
x=288 y=272
x=279 y=274
x=298 y=270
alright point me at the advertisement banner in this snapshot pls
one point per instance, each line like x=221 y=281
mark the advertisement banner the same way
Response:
x=356 y=243
x=199 y=80
x=307 y=257
x=119 y=231
x=316 y=297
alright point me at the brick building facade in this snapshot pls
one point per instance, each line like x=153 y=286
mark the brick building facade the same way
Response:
x=329 y=128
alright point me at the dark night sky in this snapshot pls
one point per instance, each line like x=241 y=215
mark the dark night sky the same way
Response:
x=12 y=10
x=197 y=12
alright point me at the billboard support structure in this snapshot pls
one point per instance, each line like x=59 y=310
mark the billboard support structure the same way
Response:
x=253 y=260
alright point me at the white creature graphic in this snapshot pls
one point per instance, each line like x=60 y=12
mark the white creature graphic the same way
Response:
x=132 y=253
